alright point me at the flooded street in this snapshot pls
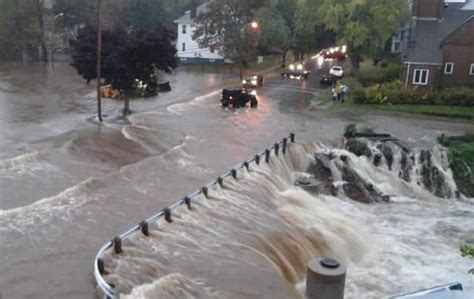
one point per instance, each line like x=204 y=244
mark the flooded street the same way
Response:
x=69 y=184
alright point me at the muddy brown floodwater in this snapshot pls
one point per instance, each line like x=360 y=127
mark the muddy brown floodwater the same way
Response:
x=68 y=184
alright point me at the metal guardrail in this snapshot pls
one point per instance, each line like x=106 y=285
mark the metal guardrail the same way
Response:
x=110 y=290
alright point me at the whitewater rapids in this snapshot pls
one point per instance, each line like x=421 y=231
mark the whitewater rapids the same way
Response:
x=254 y=237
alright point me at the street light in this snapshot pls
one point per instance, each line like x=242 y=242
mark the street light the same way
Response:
x=52 y=37
x=246 y=28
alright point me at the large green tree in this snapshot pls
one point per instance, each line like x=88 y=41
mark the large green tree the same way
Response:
x=363 y=25
x=226 y=25
x=20 y=28
x=129 y=57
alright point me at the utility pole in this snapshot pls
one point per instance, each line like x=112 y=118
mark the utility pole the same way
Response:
x=99 y=51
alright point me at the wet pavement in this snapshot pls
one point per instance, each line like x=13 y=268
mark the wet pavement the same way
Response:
x=68 y=184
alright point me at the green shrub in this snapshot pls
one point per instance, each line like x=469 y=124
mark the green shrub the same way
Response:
x=380 y=75
x=395 y=93
x=458 y=96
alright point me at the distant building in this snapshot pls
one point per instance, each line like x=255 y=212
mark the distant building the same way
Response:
x=397 y=41
x=438 y=48
x=188 y=49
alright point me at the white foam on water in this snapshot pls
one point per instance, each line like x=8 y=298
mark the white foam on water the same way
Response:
x=60 y=206
x=25 y=164
x=178 y=109
x=266 y=227
x=174 y=286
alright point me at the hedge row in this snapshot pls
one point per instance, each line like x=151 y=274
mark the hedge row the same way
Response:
x=395 y=93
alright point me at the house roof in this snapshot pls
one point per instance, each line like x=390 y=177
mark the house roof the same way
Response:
x=462 y=34
x=428 y=34
x=186 y=18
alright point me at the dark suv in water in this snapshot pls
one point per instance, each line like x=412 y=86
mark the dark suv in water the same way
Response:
x=238 y=97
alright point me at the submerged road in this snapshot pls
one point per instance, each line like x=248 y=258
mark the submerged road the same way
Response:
x=68 y=184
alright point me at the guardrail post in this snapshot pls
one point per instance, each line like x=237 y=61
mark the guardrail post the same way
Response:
x=246 y=165
x=144 y=228
x=117 y=245
x=187 y=201
x=267 y=155
x=277 y=149
x=101 y=266
x=205 y=192
x=325 y=279
x=234 y=173
x=168 y=217
x=257 y=159
x=220 y=181
x=284 y=146
x=292 y=137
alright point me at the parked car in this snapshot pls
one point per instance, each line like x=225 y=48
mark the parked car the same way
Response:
x=238 y=97
x=336 y=71
x=328 y=80
x=253 y=81
x=298 y=70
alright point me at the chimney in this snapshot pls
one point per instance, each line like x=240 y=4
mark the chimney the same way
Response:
x=428 y=9
x=193 y=9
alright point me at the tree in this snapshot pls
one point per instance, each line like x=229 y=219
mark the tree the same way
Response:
x=363 y=25
x=225 y=25
x=145 y=14
x=129 y=57
x=20 y=31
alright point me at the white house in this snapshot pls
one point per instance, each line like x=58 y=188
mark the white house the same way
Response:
x=188 y=48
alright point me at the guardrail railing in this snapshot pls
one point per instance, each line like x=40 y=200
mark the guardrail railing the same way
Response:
x=110 y=290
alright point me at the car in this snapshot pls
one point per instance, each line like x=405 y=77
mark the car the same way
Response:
x=338 y=53
x=253 y=81
x=297 y=70
x=238 y=97
x=336 y=71
x=328 y=80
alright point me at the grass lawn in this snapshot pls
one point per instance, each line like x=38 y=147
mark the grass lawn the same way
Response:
x=462 y=112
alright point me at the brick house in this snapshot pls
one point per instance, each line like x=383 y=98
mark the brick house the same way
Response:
x=439 y=48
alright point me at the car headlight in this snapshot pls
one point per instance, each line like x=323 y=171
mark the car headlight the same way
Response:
x=292 y=67
x=299 y=67
x=231 y=97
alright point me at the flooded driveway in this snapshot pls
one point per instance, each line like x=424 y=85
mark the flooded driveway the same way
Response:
x=68 y=184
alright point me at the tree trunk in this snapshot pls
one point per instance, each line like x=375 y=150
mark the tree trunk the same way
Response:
x=241 y=68
x=126 y=106
x=283 y=59
x=39 y=11
x=355 y=61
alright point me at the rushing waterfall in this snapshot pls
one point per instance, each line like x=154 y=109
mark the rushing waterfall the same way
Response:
x=254 y=236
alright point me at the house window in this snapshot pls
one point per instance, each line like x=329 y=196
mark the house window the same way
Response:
x=212 y=49
x=420 y=77
x=471 y=71
x=184 y=47
x=396 y=47
x=184 y=29
x=449 y=68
